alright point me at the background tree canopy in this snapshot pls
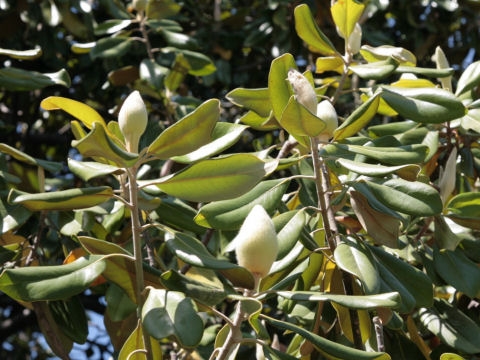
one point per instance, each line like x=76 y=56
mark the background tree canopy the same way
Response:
x=178 y=56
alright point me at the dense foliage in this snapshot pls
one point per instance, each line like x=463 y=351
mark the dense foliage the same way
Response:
x=224 y=179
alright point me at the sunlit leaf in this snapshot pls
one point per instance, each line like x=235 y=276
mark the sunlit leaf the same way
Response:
x=345 y=14
x=22 y=54
x=51 y=166
x=217 y=179
x=189 y=133
x=71 y=199
x=309 y=31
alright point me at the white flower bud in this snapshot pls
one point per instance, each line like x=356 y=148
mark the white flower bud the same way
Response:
x=132 y=120
x=327 y=113
x=304 y=91
x=256 y=242
x=355 y=39
x=442 y=63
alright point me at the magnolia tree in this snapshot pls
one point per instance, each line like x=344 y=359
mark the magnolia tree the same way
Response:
x=341 y=241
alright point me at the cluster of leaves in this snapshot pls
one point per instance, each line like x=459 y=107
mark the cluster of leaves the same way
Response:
x=378 y=255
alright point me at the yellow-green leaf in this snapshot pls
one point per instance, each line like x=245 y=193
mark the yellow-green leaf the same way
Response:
x=189 y=133
x=345 y=14
x=298 y=121
x=82 y=112
x=22 y=54
x=216 y=179
x=309 y=32
x=134 y=348
x=329 y=63
x=97 y=143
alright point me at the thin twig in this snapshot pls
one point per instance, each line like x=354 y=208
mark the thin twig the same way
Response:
x=378 y=326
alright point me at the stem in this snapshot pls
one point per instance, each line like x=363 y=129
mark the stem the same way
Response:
x=377 y=324
x=322 y=181
x=143 y=30
x=234 y=336
x=137 y=252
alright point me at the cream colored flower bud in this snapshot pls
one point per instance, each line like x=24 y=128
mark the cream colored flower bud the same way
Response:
x=256 y=242
x=355 y=39
x=132 y=120
x=442 y=63
x=327 y=113
x=304 y=91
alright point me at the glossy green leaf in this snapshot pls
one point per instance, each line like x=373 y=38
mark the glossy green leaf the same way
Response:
x=383 y=228
x=160 y=9
x=435 y=73
x=372 y=54
x=98 y=143
x=22 y=54
x=193 y=252
x=176 y=213
x=257 y=100
x=189 y=133
x=119 y=305
x=363 y=188
x=445 y=238
x=358 y=119
x=458 y=271
x=111 y=26
x=205 y=293
x=177 y=74
x=452 y=326
x=224 y=135
x=38 y=283
x=217 y=179
x=399 y=155
x=298 y=121
x=179 y=40
x=257 y=122
x=288 y=232
x=346 y=14
x=82 y=48
x=355 y=258
x=12 y=216
x=111 y=47
x=469 y=78
x=129 y=350
x=412 y=279
x=15 y=79
x=326 y=347
x=388 y=300
x=391 y=128
x=278 y=87
x=200 y=64
x=51 y=166
x=120 y=265
x=70 y=317
x=71 y=199
x=409 y=197
x=87 y=115
x=407 y=172
x=230 y=214
x=87 y=170
x=169 y=313
x=471 y=121
x=308 y=31
x=464 y=209
x=424 y=105
x=375 y=70
x=153 y=73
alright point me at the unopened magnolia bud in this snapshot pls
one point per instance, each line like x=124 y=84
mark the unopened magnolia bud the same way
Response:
x=355 y=39
x=442 y=63
x=327 y=113
x=256 y=242
x=304 y=91
x=132 y=120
